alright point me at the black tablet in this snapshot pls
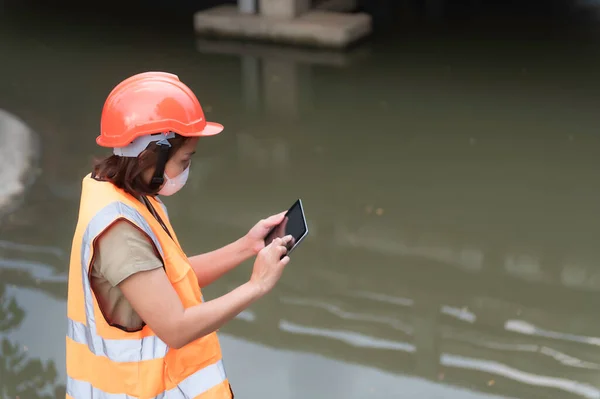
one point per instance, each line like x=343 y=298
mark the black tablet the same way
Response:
x=294 y=224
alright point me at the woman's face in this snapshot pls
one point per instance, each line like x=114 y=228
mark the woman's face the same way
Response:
x=178 y=162
x=181 y=159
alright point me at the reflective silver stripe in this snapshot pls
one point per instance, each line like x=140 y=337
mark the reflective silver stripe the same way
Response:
x=117 y=350
x=131 y=350
x=199 y=382
x=194 y=385
x=84 y=390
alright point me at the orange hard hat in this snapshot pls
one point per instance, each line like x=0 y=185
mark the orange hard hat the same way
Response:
x=149 y=103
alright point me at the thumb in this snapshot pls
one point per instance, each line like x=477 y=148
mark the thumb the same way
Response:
x=275 y=219
x=285 y=260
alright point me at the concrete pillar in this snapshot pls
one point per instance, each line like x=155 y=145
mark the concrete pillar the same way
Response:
x=247 y=6
x=283 y=8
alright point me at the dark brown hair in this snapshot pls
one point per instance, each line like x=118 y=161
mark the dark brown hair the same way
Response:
x=127 y=173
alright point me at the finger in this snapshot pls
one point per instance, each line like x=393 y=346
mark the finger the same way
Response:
x=281 y=250
x=274 y=219
x=287 y=239
x=284 y=261
x=272 y=244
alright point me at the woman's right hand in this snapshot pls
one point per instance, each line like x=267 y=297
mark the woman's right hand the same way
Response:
x=269 y=265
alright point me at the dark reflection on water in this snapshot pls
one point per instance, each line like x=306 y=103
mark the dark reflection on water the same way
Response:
x=450 y=187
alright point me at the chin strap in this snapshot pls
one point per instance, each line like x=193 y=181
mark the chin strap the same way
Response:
x=163 y=155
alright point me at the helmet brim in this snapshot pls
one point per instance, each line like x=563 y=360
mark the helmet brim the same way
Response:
x=210 y=129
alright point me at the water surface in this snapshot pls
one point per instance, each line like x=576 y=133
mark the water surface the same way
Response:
x=450 y=185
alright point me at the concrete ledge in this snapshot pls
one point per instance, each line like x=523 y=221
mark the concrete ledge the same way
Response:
x=314 y=28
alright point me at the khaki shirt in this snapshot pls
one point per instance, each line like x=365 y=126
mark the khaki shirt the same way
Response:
x=121 y=251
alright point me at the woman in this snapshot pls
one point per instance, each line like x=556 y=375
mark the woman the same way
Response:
x=138 y=326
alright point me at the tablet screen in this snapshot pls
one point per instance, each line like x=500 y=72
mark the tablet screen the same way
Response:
x=294 y=224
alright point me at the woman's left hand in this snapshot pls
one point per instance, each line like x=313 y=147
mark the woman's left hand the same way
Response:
x=255 y=238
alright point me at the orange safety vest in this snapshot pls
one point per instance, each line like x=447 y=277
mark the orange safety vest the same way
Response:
x=105 y=362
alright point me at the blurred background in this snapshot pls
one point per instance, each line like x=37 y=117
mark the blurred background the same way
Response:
x=448 y=164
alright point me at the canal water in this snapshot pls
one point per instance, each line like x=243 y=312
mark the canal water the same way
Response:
x=450 y=183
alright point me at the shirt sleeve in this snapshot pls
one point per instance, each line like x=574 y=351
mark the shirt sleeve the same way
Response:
x=122 y=251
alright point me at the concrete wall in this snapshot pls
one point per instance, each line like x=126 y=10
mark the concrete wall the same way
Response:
x=18 y=153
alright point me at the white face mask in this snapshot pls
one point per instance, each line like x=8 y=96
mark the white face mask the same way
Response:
x=175 y=184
